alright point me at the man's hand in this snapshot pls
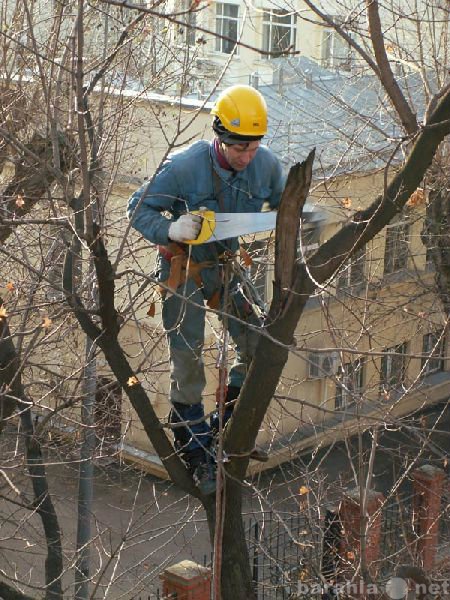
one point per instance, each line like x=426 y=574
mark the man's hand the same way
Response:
x=186 y=228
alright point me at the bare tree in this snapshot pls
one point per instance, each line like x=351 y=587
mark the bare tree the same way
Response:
x=63 y=132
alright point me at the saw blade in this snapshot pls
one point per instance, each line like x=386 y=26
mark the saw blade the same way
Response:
x=229 y=225
x=222 y=226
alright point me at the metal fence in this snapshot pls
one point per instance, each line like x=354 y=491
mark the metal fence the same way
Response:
x=397 y=533
x=290 y=549
x=284 y=549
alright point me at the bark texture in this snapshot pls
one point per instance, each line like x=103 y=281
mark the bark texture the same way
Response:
x=13 y=397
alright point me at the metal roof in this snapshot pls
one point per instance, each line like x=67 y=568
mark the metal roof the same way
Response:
x=346 y=117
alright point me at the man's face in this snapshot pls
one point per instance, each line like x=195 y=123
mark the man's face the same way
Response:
x=240 y=156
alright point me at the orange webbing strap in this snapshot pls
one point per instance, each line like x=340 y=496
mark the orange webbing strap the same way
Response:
x=177 y=263
x=182 y=267
x=245 y=257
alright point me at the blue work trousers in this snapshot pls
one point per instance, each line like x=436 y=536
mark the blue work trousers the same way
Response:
x=184 y=323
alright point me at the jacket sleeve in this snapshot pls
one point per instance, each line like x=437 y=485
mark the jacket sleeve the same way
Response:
x=148 y=202
x=278 y=181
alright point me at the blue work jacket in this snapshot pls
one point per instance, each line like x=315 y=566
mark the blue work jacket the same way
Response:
x=186 y=181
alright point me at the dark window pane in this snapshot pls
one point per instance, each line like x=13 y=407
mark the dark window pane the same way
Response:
x=353 y=271
x=433 y=351
x=393 y=366
x=350 y=383
x=226 y=26
x=230 y=10
x=396 y=249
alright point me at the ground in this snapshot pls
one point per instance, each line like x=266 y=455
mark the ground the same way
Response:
x=142 y=524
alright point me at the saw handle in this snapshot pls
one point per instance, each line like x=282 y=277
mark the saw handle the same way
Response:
x=207 y=229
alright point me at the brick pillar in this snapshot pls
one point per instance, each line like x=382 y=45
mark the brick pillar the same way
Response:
x=350 y=516
x=428 y=482
x=186 y=581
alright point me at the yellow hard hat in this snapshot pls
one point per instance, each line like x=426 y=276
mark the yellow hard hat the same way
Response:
x=242 y=110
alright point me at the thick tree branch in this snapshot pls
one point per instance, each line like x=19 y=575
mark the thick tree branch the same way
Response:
x=33 y=177
x=407 y=117
x=10 y=379
x=9 y=365
x=341 y=31
x=107 y=341
x=7 y=592
x=265 y=373
x=288 y=226
x=239 y=439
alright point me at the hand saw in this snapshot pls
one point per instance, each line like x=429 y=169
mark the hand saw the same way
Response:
x=221 y=226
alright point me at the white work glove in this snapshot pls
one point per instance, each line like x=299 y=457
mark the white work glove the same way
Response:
x=186 y=228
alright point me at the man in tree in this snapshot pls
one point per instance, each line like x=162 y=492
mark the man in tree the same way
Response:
x=233 y=173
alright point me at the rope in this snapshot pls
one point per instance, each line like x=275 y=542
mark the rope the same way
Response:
x=220 y=479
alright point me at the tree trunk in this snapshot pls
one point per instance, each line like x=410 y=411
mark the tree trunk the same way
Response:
x=8 y=368
x=236 y=575
x=44 y=507
x=10 y=377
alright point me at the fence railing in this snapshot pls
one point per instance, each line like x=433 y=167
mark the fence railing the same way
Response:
x=292 y=550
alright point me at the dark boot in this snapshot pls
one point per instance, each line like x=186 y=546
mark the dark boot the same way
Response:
x=231 y=395
x=193 y=443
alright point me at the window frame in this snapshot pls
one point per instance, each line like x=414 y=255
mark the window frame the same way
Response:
x=388 y=379
x=220 y=21
x=396 y=249
x=349 y=383
x=190 y=19
x=269 y=24
x=433 y=345
x=353 y=272
x=330 y=38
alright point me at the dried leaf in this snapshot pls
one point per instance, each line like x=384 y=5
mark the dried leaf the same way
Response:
x=20 y=201
x=351 y=555
x=151 y=311
x=347 y=202
x=133 y=380
x=46 y=322
x=10 y=286
x=3 y=313
x=303 y=490
x=417 y=198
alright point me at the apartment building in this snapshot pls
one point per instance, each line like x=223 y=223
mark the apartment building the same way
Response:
x=237 y=41
x=370 y=346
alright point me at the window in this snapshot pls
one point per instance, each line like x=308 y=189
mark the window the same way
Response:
x=322 y=364
x=279 y=30
x=431 y=244
x=350 y=378
x=227 y=20
x=336 y=52
x=396 y=249
x=433 y=353
x=353 y=270
x=393 y=366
